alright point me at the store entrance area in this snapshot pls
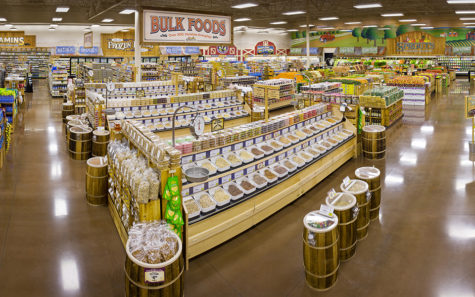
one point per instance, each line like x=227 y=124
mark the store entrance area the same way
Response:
x=52 y=243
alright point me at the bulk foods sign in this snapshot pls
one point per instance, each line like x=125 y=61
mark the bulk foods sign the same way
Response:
x=182 y=27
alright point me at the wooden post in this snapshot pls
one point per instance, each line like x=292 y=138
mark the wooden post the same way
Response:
x=266 y=102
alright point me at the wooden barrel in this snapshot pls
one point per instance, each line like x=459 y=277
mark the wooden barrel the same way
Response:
x=96 y=181
x=100 y=140
x=359 y=189
x=80 y=142
x=374 y=141
x=70 y=124
x=68 y=109
x=320 y=250
x=345 y=208
x=372 y=176
x=149 y=280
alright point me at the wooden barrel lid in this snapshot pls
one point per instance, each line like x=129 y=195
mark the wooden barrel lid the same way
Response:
x=341 y=201
x=318 y=222
x=367 y=172
x=68 y=104
x=374 y=128
x=80 y=130
x=101 y=132
x=96 y=162
x=355 y=187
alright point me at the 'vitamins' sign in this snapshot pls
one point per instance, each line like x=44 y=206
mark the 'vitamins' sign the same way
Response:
x=182 y=27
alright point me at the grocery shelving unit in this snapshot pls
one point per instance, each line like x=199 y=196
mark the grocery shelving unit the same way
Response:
x=273 y=94
x=58 y=77
x=37 y=59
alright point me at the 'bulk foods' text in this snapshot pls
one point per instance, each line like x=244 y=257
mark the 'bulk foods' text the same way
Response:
x=176 y=24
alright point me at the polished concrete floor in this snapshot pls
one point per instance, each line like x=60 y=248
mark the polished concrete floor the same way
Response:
x=53 y=244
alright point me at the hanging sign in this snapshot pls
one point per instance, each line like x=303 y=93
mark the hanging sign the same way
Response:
x=347 y=51
x=65 y=50
x=265 y=47
x=182 y=27
x=180 y=50
x=469 y=107
x=461 y=50
x=16 y=39
x=89 y=51
x=369 y=50
x=416 y=43
x=88 y=39
x=225 y=50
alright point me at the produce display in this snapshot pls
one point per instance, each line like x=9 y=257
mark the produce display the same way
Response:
x=387 y=96
x=408 y=81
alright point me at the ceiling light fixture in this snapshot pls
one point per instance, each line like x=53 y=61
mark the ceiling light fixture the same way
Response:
x=62 y=9
x=369 y=5
x=51 y=28
x=127 y=11
x=57 y=19
x=383 y=29
x=328 y=19
x=370 y=26
x=53 y=25
x=3 y=19
x=245 y=5
x=352 y=23
x=387 y=15
x=87 y=29
x=465 y=12
x=427 y=28
x=328 y=28
x=242 y=19
x=467 y=19
x=292 y=30
x=305 y=26
x=417 y=25
x=461 y=1
x=8 y=25
x=262 y=32
x=124 y=30
x=469 y=23
x=278 y=23
x=408 y=20
x=107 y=20
x=95 y=26
x=346 y=30
x=13 y=28
x=294 y=12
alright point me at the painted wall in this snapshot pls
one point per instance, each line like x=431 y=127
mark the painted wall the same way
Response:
x=248 y=40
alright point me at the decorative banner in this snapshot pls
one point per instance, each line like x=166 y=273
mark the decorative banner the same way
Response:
x=216 y=50
x=347 y=51
x=265 y=47
x=93 y=51
x=416 y=43
x=182 y=27
x=88 y=40
x=121 y=44
x=462 y=50
x=65 y=50
x=369 y=50
x=16 y=39
x=469 y=107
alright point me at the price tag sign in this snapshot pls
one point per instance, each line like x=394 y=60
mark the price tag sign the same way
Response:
x=226 y=149
x=326 y=210
x=268 y=136
x=249 y=142
x=198 y=188
x=271 y=161
x=212 y=184
x=226 y=179
x=186 y=159
x=259 y=139
x=331 y=193
x=185 y=192
x=139 y=93
x=200 y=156
x=214 y=153
x=260 y=165
x=217 y=124
x=281 y=157
x=238 y=174
x=238 y=146
x=346 y=181
x=251 y=169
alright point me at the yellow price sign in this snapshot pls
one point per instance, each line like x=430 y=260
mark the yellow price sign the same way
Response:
x=217 y=124
x=469 y=107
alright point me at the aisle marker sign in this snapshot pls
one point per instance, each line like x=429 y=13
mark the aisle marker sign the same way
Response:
x=469 y=107
x=182 y=27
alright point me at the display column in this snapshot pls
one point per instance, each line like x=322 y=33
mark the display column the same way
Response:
x=138 y=49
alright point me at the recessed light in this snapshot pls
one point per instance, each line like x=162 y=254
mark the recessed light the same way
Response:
x=62 y=9
x=328 y=18
x=8 y=25
x=53 y=25
x=244 y=5
x=95 y=26
x=3 y=19
x=417 y=25
x=370 y=26
x=124 y=30
x=369 y=5
x=107 y=20
x=387 y=15
x=127 y=11
x=294 y=12
x=461 y=1
x=352 y=23
x=383 y=29
x=426 y=28
x=242 y=19
x=57 y=19
x=305 y=26
x=408 y=21
x=292 y=30
x=465 y=12
x=469 y=23
x=240 y=28
x=278 y=23
x=328 y=28
x=467 y=19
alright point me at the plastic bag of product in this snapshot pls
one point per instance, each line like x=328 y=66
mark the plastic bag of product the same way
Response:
x=175 y=202
x=173 y=185
x=169 y=213
x=143 y=192
x=166 y=193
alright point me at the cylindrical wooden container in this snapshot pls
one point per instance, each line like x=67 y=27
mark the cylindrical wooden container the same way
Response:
x=374 y=141
x=372 y=176
x=100 y=140
x=149 y=280
x=345 y=208
x=320 y=250
x=80 y=142
x=70 y=124
x=359 y=189
x=68 y=109
x=96 y=181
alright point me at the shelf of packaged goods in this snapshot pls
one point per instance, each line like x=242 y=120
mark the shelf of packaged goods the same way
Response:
x=276 y=105
x=117 y=221
x=212 y=231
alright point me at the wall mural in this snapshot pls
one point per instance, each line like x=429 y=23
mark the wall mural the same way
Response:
x=376 y=37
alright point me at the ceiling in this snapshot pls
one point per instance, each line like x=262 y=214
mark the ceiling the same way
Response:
x=436 y=13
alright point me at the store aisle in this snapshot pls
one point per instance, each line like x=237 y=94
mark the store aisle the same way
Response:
x=52 y=243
